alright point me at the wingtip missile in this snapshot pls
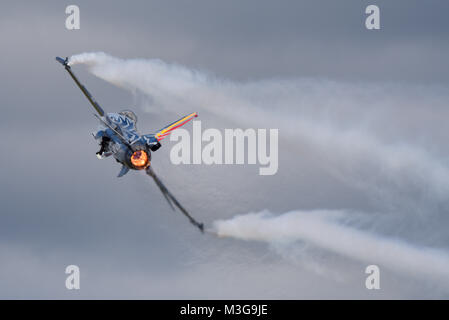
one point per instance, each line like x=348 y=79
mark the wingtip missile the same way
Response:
x=62 y=61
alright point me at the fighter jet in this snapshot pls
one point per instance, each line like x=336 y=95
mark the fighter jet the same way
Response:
x=118 y=137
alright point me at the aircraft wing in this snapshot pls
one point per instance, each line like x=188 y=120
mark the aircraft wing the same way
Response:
x=89 y=97
x=161 y=134
x=172 y=200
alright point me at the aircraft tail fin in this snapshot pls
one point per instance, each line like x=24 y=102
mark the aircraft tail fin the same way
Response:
x=161 y=134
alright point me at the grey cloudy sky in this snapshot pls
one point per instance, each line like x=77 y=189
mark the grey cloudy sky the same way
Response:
x=371 y=139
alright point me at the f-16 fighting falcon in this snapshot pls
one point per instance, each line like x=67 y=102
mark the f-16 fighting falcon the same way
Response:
x=118 y=137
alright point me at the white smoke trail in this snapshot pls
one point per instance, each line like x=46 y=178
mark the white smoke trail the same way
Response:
x=345 y=125
x=324 y=229
x=399 y=176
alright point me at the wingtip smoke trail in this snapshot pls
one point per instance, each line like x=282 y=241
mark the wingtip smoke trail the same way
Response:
x=324 y=229
x=308 y=111
x=408 y=178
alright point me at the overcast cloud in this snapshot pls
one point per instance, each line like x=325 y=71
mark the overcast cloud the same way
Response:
x=362 y=119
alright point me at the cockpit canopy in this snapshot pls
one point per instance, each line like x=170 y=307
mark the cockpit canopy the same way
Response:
x=129 y=114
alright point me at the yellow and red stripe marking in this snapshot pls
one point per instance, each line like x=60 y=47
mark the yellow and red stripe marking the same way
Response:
x=166 y=131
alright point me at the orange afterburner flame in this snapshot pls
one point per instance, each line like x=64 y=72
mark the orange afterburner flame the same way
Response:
x=139 y=159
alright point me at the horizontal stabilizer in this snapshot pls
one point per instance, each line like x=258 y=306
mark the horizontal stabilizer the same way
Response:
x=124 y=171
